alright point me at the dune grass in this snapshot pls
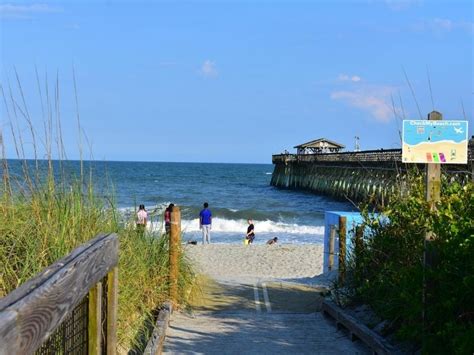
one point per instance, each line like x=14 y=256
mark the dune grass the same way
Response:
x=41 y=225
x=47 y=210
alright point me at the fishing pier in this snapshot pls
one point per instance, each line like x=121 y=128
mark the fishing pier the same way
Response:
x=357 y=175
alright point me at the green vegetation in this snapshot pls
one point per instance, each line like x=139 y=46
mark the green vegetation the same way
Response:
x=386 y=270
x=41 y=223
x=46 y=211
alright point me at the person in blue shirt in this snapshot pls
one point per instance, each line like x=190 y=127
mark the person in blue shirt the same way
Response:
x=205 y=222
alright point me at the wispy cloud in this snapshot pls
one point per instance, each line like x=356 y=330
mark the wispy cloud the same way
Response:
x=398 y=5
x=444 y=25
x=208 y=69
x=14 y=11
x=345 y=77
x=374 y=99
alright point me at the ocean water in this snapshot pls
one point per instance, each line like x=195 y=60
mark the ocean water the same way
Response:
x=235 y=192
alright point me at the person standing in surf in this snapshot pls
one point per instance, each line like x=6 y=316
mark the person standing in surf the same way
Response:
x=250 y=231
x=205 y=223
x=142 y=217
x=168 y=218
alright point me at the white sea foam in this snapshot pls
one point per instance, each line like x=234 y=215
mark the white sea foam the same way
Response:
x=240 y=226
x=157 y=209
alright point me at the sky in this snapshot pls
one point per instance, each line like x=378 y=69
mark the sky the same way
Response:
x=228 y=81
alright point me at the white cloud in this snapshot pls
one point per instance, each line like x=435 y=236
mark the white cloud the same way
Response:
x=375 y=100
x=345 y=77
x=13 y=11
x=208 y=69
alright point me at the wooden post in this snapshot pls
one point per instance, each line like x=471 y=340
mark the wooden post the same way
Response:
x=112 y=305
x=433 y=172
x=359 y=243
x=95 y=313
x=174 y=249
x=433 y=194
x=342 y=248
x=332 y=239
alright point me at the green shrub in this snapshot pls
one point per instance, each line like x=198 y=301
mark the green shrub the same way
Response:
x=387 y=271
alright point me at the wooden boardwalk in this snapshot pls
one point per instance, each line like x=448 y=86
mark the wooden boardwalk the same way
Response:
x=257 y=318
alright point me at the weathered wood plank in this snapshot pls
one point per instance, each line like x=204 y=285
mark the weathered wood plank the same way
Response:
x=31 y=314
x=112 y=307
x=342 y=248
x=332 y=240
x=157 y=339
x=174 y=245
x=29 y=286
x=94 y=327
x=361 y=331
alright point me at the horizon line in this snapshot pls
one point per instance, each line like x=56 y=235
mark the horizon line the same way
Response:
x=136 y=161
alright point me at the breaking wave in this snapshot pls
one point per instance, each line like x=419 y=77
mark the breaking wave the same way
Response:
x=240 y=226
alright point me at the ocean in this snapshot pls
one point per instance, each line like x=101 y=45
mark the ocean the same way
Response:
x=235 y=193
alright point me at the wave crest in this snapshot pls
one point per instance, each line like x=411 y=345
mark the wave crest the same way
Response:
x=240 y=226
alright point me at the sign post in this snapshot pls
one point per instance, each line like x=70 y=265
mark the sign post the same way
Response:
x=433 y=195
x=433 y=171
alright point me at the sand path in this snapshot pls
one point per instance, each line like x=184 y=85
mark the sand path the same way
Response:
x=262 y=311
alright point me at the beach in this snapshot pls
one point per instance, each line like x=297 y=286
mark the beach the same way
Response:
x=242 y=263
x=257 y=299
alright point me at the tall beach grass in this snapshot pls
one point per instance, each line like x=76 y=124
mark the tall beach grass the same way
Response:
x=46 y=211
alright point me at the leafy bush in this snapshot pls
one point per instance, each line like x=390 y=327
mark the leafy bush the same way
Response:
x=386 y=271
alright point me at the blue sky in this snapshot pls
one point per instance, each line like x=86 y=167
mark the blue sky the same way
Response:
x=234 y=81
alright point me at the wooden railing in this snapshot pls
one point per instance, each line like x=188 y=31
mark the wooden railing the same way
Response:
x=33 y=315
x=381 y=155
x=364 y=156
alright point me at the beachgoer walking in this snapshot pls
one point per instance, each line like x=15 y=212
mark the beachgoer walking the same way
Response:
x=272 y=241
x=250 y=231
x=142 y=219
x=205 y=223
x=167 y=218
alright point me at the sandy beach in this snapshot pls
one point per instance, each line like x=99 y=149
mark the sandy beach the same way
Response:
x=256 y=304
x=296 y=263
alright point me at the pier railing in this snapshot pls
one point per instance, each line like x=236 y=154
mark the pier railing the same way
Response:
x=68 y=308
x=389 y=155
x=367 y=156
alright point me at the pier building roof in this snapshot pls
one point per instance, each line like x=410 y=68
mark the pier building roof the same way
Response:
x=321 y=145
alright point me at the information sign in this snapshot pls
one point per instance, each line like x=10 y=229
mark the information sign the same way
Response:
x=437 y=142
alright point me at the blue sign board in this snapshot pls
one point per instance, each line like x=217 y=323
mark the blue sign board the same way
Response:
x=437 y=142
